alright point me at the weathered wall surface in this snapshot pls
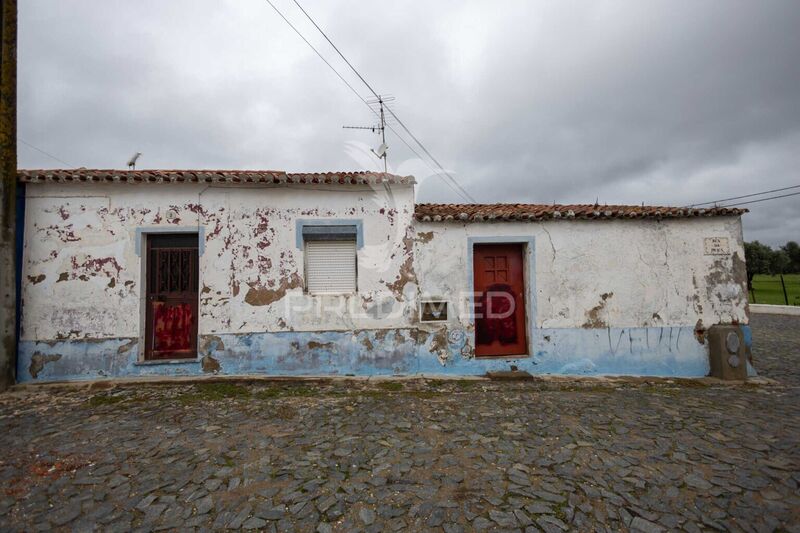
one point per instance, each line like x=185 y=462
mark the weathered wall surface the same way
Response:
x=626 y=273
x=610 y=296
x=83 y=274
x=607 y=297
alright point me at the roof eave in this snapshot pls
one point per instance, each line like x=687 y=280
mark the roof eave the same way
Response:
x=82 y=175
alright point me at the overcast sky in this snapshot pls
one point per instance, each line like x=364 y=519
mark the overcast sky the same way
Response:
x=670 y=102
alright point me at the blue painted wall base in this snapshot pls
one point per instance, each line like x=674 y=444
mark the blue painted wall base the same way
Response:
x=654 y=351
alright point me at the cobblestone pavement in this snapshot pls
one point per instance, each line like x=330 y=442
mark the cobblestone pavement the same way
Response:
x=413 y=455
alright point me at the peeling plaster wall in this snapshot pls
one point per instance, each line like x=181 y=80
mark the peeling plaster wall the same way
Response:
x=609 y=297
x=592 y=274
x=630 y=297
x=82 y=277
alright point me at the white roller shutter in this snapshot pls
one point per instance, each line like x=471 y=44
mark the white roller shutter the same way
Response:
x=331 y=266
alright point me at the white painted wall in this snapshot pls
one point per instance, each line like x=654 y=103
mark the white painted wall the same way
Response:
x=657 y=272
x=82 y=277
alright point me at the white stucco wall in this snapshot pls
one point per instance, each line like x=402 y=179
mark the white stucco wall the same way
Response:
x=611 y=296
x=652 y=273
x=82 y=277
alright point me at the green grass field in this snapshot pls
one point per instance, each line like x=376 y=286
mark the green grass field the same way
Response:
x=768 y=289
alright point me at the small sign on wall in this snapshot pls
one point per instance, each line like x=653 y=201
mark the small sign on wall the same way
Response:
x=717 y=246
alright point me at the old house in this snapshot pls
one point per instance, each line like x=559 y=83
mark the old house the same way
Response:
x=136 y=273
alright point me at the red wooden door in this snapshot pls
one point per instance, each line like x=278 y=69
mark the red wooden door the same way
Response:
x=499 y=300
x=171 y=315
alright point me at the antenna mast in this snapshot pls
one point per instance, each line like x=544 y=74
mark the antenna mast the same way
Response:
x=383 y=132
x=383 y=149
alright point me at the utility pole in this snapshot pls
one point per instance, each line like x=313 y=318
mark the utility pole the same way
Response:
x=8 y=189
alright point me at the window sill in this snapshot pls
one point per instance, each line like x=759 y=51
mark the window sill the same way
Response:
x=331 y=293
x=157 y=362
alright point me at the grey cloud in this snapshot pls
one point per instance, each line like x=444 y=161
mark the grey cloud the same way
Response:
x=628 y=102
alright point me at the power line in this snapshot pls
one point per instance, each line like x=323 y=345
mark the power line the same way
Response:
x=746 y=195
x=337 y=50
x=51 y=156
x=463 y=192
x=317 y=52
x=761 y=200
x=351 y=87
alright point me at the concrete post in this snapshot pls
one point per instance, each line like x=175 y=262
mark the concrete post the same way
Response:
x=8 y=189
x=727 y=351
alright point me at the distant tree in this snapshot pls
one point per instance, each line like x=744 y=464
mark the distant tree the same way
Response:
x=779 y=262
x=759 y=260
x=792 y=249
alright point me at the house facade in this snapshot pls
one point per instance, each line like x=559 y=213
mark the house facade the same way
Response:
x=137 y=273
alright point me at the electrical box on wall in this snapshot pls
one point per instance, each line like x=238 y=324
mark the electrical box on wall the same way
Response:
x=433 y=311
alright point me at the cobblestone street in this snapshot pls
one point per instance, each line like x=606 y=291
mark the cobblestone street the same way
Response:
x=412 y=455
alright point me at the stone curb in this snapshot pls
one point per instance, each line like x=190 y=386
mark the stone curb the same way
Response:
x=565 y=379
x=765 y=309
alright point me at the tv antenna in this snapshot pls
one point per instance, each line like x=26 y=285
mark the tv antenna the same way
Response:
x=383 y=149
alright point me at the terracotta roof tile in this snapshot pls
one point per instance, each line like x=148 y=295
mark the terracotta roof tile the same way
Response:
x=536 y=212
x=83 y=175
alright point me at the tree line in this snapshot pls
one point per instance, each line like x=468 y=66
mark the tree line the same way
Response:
x=762 y=259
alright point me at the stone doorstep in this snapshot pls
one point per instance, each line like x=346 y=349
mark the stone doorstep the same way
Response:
x=100 y=384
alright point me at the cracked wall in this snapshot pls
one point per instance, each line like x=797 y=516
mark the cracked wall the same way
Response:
x=629 y=297
x=82 y=277
x=599 y=274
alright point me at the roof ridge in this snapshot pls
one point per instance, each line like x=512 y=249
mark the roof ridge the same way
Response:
x=223 y=170
x=537 y=212
x=347 y=177
x=506 y=204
